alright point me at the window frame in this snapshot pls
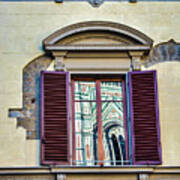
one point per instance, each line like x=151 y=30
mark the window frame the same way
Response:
x=145 y=76
x=98 y=78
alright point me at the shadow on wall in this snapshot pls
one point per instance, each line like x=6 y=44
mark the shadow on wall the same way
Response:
x=29 y=116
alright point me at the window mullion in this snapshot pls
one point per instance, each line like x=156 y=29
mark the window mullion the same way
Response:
x=101 y=153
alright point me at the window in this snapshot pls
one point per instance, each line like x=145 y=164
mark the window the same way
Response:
x=102 y=135
x=99 y=121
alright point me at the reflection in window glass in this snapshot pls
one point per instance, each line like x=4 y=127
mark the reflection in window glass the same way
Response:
x=85 y=127
x=85 y=90
x=111 y=90
x=113 y=133
x=89 y=124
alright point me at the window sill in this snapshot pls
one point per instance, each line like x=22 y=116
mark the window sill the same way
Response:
x=117 y=170
x=91 y=170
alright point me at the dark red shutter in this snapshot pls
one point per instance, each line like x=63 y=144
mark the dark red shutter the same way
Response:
x=54 y=118
x=144 y=118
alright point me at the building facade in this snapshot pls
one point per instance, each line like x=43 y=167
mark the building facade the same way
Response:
x=90 y=90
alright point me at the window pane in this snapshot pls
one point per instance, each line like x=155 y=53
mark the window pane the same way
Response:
x=85 y=90
x=86 y=132
x=113 y=133
x=111 y=90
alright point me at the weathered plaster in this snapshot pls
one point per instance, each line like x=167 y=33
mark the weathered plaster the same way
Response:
x=29 y=116
x=166 y=51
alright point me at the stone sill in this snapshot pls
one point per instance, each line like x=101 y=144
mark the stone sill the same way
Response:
x=90 y=170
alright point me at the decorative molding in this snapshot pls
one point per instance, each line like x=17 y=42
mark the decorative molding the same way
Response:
x=59 y=65
x=98 y=48
x=98 y=26
x=136 y=61
x=164 y=52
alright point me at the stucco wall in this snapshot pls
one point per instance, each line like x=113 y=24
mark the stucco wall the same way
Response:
x=169 y=103
x=23 y=27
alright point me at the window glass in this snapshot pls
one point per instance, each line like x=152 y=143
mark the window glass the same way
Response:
x=94 y=115
x=85 y=129
x=111 y=90
x=113 y=133
x=85 y=90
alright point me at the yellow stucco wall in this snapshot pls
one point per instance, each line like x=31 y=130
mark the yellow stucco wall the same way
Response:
x=169 y=110
x=23 y=27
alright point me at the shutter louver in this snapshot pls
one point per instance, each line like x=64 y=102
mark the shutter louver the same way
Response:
x=54 y=118
x=145 y=118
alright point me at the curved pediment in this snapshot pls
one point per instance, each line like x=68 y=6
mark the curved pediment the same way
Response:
x=91 y=38
x=96 y=34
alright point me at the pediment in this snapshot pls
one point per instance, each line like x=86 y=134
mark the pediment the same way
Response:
x=96 y=38
x=97 y=35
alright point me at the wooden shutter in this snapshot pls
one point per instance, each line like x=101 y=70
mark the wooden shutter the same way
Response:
x=144 y=118
x=54 y=118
